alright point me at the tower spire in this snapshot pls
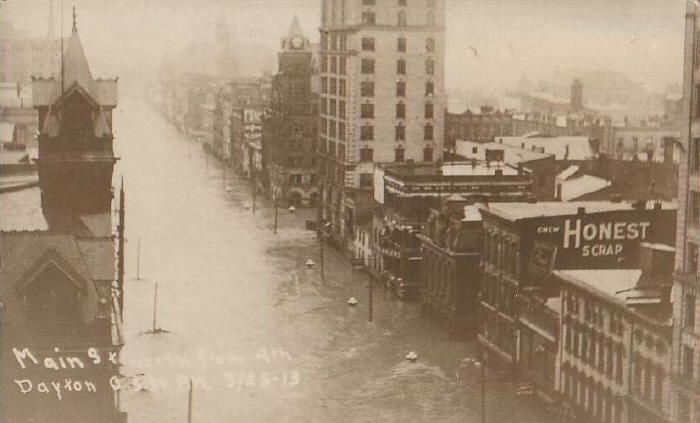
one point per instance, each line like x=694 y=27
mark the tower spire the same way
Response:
x=75 y=20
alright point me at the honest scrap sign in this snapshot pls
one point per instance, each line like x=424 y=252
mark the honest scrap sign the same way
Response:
x=602 y=240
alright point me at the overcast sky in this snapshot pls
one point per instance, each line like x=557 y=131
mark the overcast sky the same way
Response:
x=512 y=38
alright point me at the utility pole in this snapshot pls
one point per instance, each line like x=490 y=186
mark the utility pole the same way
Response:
x=120 y=257
x=275 y=224
x=371 y=283
x=155 y=308
x=482 y=360
x=138 y=260
x=255 y=188
x=189 y=404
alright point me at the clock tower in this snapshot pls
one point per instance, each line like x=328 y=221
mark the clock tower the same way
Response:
x=291 y=128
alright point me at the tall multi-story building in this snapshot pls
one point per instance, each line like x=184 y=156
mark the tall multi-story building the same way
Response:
x=290 y=131
x=686 y=336
x=382 y=97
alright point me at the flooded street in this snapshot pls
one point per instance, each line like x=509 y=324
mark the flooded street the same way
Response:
x=262 y=337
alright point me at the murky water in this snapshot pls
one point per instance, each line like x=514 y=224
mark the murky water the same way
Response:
x=260 y=335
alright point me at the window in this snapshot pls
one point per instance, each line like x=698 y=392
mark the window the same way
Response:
x=367 y=44
x=428 y=132
x=367 y=89
x=427 y=154
x=399 y=154
x=342 y=65
x=689 y=306
x=366 y=132
x=365 y=180
x=333 y=88
x=367 y=66
x=401 y=45
x=366 y=155
x=400 y=110
x=429 y=111
x=429 y=88
x=341 y=131
x=367 y=110
x=331 y=107
x=341 y=87
x=400 y=133
x=324 y=106
x=331 y=128
x=430 y=45
x=334 y=64
x=368 y=17
x=324 y=63
x=324 y=85
x=430 y=67
x=687 y=362
x=694 y=207
x=692 y=258
x=400 y=89
x=341 y=109
x=402 y=18
x=401 y=67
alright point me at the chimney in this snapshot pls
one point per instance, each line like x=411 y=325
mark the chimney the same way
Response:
x=498 y=172
x=522 y=145
x=557 y=195
x=657 y=205
x=566 y=152
x=520 y=168
x=580 y=210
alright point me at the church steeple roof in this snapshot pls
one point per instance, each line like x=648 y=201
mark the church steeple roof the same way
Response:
x=75 y=65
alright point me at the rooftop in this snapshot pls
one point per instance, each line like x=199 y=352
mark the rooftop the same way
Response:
x=408 y=170
x=517 y=211
x=563 y=148
x=512 y=154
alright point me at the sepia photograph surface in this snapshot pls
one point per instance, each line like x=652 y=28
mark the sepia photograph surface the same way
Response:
x=217 y=211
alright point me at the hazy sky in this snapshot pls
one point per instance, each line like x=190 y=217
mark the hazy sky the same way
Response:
x=513 y=38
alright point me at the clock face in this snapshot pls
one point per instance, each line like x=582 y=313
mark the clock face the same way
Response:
x=297 y=42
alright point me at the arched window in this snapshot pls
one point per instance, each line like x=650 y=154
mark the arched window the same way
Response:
x=430 y=66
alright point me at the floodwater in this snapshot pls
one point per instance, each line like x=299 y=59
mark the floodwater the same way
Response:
x=261 y=336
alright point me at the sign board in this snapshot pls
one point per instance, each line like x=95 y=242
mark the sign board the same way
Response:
x=379 y=185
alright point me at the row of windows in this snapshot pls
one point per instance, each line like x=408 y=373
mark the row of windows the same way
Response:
x=367 y=132
x=367 y=88
x=367 y=66
x=647 y=379
x=583 y=391
x=367 y=154
x=334 y=64
x=594 y=349
x=369 y=17
x=332 y=107
x=331 y=128
x=367 y=111
x=369 y=44
x=334 y=86
x=592 y=312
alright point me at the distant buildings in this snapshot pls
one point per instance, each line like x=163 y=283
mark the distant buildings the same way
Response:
x=381 y=101
x=482 y=126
